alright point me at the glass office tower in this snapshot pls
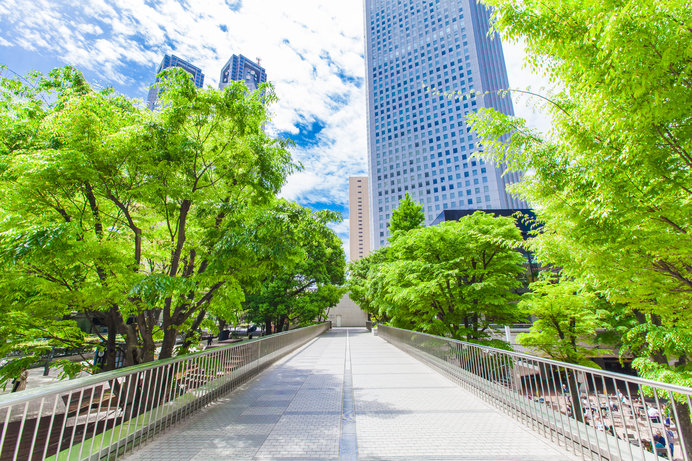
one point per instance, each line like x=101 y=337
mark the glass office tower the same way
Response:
x=174 y=61
x=241 y=68
x=426 y=63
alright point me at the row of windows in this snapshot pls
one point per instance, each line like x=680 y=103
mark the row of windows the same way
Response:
x=390 y=47
x=449 y=188
x=437 y=198
x=421 y=85
x=391 y=16
x=395 y=169
x=439 y=74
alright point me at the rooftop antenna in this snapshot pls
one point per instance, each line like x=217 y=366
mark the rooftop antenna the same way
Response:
x=258 y=61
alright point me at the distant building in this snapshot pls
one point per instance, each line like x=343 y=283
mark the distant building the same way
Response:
x=358 y=217
x=240 y=68
x=429 y=66
x=174 y=61
x=525 y=224
x=524 y=218
x=347 y=314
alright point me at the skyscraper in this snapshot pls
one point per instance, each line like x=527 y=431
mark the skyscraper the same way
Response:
x=358 y=217
x=426 y=63
x=174 y=61
x=241 y=68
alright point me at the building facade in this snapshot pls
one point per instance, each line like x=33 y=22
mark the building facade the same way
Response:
x=347 y=314
x=173 y=61
x=241 y=68
x=358 y=217
x=429 y=65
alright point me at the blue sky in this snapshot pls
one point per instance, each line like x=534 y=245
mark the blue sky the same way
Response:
x=312 y=51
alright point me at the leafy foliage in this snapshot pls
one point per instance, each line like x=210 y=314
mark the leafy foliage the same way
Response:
x=121 y=214
x=310 y=282
x=359 y=273
x=612 y=181
x=454 y=279
x=565 y=319
x=407 y=216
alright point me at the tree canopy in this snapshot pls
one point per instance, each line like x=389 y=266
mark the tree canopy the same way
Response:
x=612 y=182
x=407 y=216
x=454 y=279
x=131 y=217
x=359 y=274
x=565 y=322
x=301 y=290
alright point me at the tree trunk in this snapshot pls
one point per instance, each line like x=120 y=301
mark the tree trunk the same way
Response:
x=573 y=385
x=268 y=327
x=222 y=325
x=148 y=348
x=111 y=345
x=281 y=324
x=133 y=354
x=684 y=426
x=168 y=344
x=145 y=323
x=188 y=339
x=19 y=383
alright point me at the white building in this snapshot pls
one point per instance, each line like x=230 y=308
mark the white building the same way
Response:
x=358 y=217
x=347 y=314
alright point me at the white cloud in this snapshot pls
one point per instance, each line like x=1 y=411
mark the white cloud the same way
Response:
x=304 y=46
x=91 y=29
x=4 y=42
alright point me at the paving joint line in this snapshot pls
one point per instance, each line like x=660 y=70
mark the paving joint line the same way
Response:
x=281 y=362
x=348 y=442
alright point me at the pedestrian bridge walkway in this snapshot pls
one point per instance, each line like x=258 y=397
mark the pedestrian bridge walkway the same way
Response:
x=349 y=395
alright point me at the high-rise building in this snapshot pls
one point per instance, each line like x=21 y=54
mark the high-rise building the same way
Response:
x=358 y=217
x=174 y=61
x=429 y=65
x=241 y=68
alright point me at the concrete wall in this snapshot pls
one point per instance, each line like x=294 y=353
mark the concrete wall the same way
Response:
x=347 y=314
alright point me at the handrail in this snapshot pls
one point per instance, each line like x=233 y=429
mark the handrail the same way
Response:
x=107 y=414
x=77 y=383
x=595 y=413
x=610 y=374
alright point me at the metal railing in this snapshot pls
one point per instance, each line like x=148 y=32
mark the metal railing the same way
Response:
x=105 y=415
x=596 y=414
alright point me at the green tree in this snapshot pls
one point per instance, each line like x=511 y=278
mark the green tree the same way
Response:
x=565 y=325
x=123 y=214
x=454 y=279
x=612 y=181
x=303 y=288
x=565 y=319
x=359 y=273
x=407 y=216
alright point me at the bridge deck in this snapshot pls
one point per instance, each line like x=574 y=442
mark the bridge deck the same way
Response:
x=349 y=395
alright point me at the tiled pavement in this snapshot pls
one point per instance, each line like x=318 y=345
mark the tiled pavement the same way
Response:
x=403 y=411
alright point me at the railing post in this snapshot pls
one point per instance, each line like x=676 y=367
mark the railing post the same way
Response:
x=496 y=376
x=259 y=353
x=141 y=401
